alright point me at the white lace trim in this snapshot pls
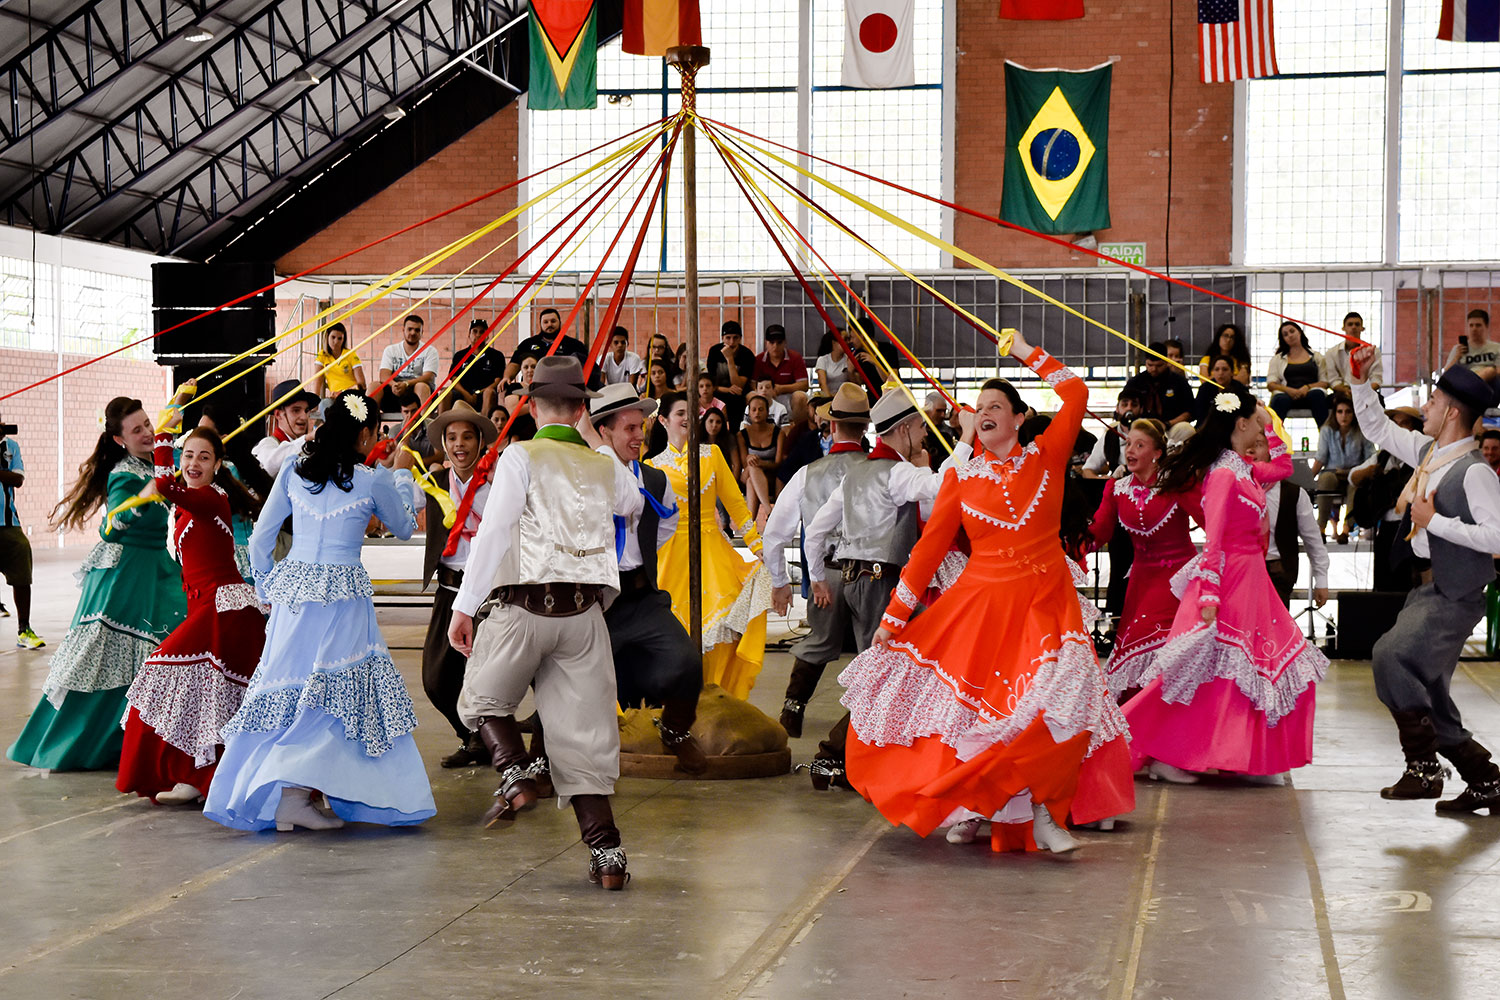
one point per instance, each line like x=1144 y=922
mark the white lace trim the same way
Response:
x=97 y=655
x=105 y=555
x=237 y=596
x=292 y=583
x=754 y=600
x=1088 y=608
x=896 y=696
x=1201 y=655
x=324 y=515
x=905 y=595
x=1127 y=669
x=1235 y=463
x=949 y=570
x=367 y=697
x=242 y=562
x=982 y=466
x=188 y=701
x=1054 y=379
x=1025 y=515
x=1194 y=569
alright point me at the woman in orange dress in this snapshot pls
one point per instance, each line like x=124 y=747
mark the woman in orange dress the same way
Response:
x=991 y=703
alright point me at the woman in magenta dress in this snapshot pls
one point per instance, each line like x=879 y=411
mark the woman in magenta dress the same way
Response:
x=192 y=684
x=1158 y=527
x=1233 y=687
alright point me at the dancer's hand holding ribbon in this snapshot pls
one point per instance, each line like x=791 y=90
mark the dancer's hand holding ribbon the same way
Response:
x=169 y=420
x=426 y=485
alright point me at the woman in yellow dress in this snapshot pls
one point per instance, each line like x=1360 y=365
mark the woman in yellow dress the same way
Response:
x=736 y=593
x=346 y=371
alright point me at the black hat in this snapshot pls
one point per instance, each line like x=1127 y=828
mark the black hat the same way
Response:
x=1465 y=385
x=292 y=389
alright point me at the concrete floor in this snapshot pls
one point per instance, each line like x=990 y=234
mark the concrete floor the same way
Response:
x=759 y=889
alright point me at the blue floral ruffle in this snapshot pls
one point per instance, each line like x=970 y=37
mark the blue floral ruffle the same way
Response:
x=292 y=582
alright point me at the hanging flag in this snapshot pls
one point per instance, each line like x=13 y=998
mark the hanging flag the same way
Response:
x=1056 y=149
x=878 y=49
x=1470 y=21
x=564 y=54
x=1041 y=10
x=1236 y=40
x=653 y=26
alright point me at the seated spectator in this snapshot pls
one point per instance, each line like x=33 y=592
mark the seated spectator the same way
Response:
x=659 y=348
x=479 y=385
x=407 y=365
x=706 y=398
x=622 y=364
x=1164 y=394
x=732 y=366
x=1341 y=448
x=832 y=366
x=760 y=446
x=1336 y=363
x=786 y=369
x=715 y=431
x=658 y=379
x=802 y=441
x=344 y=369
x=1229 y=342
x=1489 y=449
x=779 y=414
x=416 y=436
x=1295 y=377
x=1475 y=349
x=1104 y=459
x=1220 y=373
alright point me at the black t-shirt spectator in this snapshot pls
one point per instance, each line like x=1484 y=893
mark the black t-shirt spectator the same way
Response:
x=538 y=345
x=1166 y=396
x=719 y=367
x=483 y=373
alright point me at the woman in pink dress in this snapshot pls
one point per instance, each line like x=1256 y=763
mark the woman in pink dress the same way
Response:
x=1158 y=527
x=1233 y=686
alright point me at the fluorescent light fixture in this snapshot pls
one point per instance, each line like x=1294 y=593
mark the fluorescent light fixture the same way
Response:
x=394 y=113
x=305 y=76
x=199 y=35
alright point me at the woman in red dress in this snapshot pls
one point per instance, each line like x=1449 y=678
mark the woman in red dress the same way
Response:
x=1158 y=527
x=992 y=703
x=192 y=684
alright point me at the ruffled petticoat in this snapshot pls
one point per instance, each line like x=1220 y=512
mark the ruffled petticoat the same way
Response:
x=326 y=709
x=1145 y=625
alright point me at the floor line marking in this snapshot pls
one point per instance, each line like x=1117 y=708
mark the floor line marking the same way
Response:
x=1143 y=906
x=776 y=940
x=1483 y=686
x=1320 y=907
x=155 y=905
x=67 y=819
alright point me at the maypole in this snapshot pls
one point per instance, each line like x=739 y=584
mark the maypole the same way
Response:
x=689 y=59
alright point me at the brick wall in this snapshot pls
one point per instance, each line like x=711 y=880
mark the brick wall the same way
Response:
x=84 y=396
x=1201 y=139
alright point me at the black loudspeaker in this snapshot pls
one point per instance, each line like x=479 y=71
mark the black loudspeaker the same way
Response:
x=180 y=292
x=1364 y=616
x=240 y=399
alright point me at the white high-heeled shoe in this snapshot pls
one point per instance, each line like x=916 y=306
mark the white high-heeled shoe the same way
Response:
x=296 y=810
x=1048 y=835
x=180 y=794
x=964 y=831
x=1275 y=780
x=1159 y=771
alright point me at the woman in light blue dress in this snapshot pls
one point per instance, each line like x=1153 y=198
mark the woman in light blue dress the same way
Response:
x=326 y=709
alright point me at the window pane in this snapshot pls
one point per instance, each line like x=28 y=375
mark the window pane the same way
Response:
x=828 y=42
x=1450 y=167
x=1315 y=171
x=1422 y=49
x=1332 y=36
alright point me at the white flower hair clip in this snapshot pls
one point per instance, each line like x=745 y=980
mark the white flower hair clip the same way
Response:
x=1226 y=402
x=357 y=408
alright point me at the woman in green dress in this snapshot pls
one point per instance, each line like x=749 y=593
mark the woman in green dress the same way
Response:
x=132 y=599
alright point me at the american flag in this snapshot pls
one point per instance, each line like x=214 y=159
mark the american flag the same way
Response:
x=1235 y=40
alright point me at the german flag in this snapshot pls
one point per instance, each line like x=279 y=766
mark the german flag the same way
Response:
x=654 y=26
x=564 y=55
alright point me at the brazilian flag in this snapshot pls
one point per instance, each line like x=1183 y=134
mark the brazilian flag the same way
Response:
x=564 y=56
x=1056 y=149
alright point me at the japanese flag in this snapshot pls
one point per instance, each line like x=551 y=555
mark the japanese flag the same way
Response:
x=878 y=43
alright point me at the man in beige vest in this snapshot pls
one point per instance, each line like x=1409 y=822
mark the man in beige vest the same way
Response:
x=543 y=566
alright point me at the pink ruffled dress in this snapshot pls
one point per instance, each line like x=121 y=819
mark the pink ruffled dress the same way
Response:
x=1236 y=695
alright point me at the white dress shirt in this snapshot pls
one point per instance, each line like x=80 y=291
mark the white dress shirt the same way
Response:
x=666 y=527
x=272 y=454
x=1481 y=484
x=502 y=512
x=781 y=527
x=1307 y=529
x=456 y=488
x=906 y=484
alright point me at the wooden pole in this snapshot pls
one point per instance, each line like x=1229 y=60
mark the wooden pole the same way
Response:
x=689 y=59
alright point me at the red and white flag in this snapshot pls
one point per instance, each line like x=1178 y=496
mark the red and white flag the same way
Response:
x=1236 y=40
x=878 y=50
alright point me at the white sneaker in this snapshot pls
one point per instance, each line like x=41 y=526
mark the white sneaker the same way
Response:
x=179 y=794
x=1159 y=771
x=295 y=810
x=964 y=832
x=1048 y=835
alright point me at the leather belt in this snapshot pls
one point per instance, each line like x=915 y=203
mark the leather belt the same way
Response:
x=452 y=579
x=636 y=580
x=853 y=569
x=551 y=600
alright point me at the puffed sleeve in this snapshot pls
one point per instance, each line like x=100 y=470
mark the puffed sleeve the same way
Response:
x=1057 y=441
x=395 y=496
x=121 y=487
x=937 y=538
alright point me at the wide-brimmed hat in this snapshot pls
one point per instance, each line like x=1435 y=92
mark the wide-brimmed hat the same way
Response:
x=618 y=398
x=1466 y=386
x=462 y=412
x=1405 y=411
x=892 y=408
x=299 y=395
x=558 y=376
x=849 y=403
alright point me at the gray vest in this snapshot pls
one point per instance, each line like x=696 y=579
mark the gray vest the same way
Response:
x=874 y=530
x=818 y=483
x=1458 y=572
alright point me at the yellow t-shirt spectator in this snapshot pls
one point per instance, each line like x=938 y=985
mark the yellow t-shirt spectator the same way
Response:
x=341 y=375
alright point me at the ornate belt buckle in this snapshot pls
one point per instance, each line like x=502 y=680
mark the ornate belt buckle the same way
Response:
x=578 y=599
x=548 y=601
x=877 y=571
x=580 y=553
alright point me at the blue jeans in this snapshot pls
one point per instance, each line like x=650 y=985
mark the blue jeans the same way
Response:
x=1316 y=401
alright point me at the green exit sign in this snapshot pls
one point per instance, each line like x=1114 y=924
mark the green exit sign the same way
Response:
x=1129 y=253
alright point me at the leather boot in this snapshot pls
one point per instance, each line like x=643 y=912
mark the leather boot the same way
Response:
x=1480 y=775
x=827 y=767
x=596 y=826
x=541 y=767
x=517 y=791
x=675 y=727
x=1423 y=777
x=799 y=689
x=471 y=754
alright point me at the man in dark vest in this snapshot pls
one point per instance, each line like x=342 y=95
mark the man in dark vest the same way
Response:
x=654 y=657
x=463 y=435
x=809 y=488
x=1452 y=506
